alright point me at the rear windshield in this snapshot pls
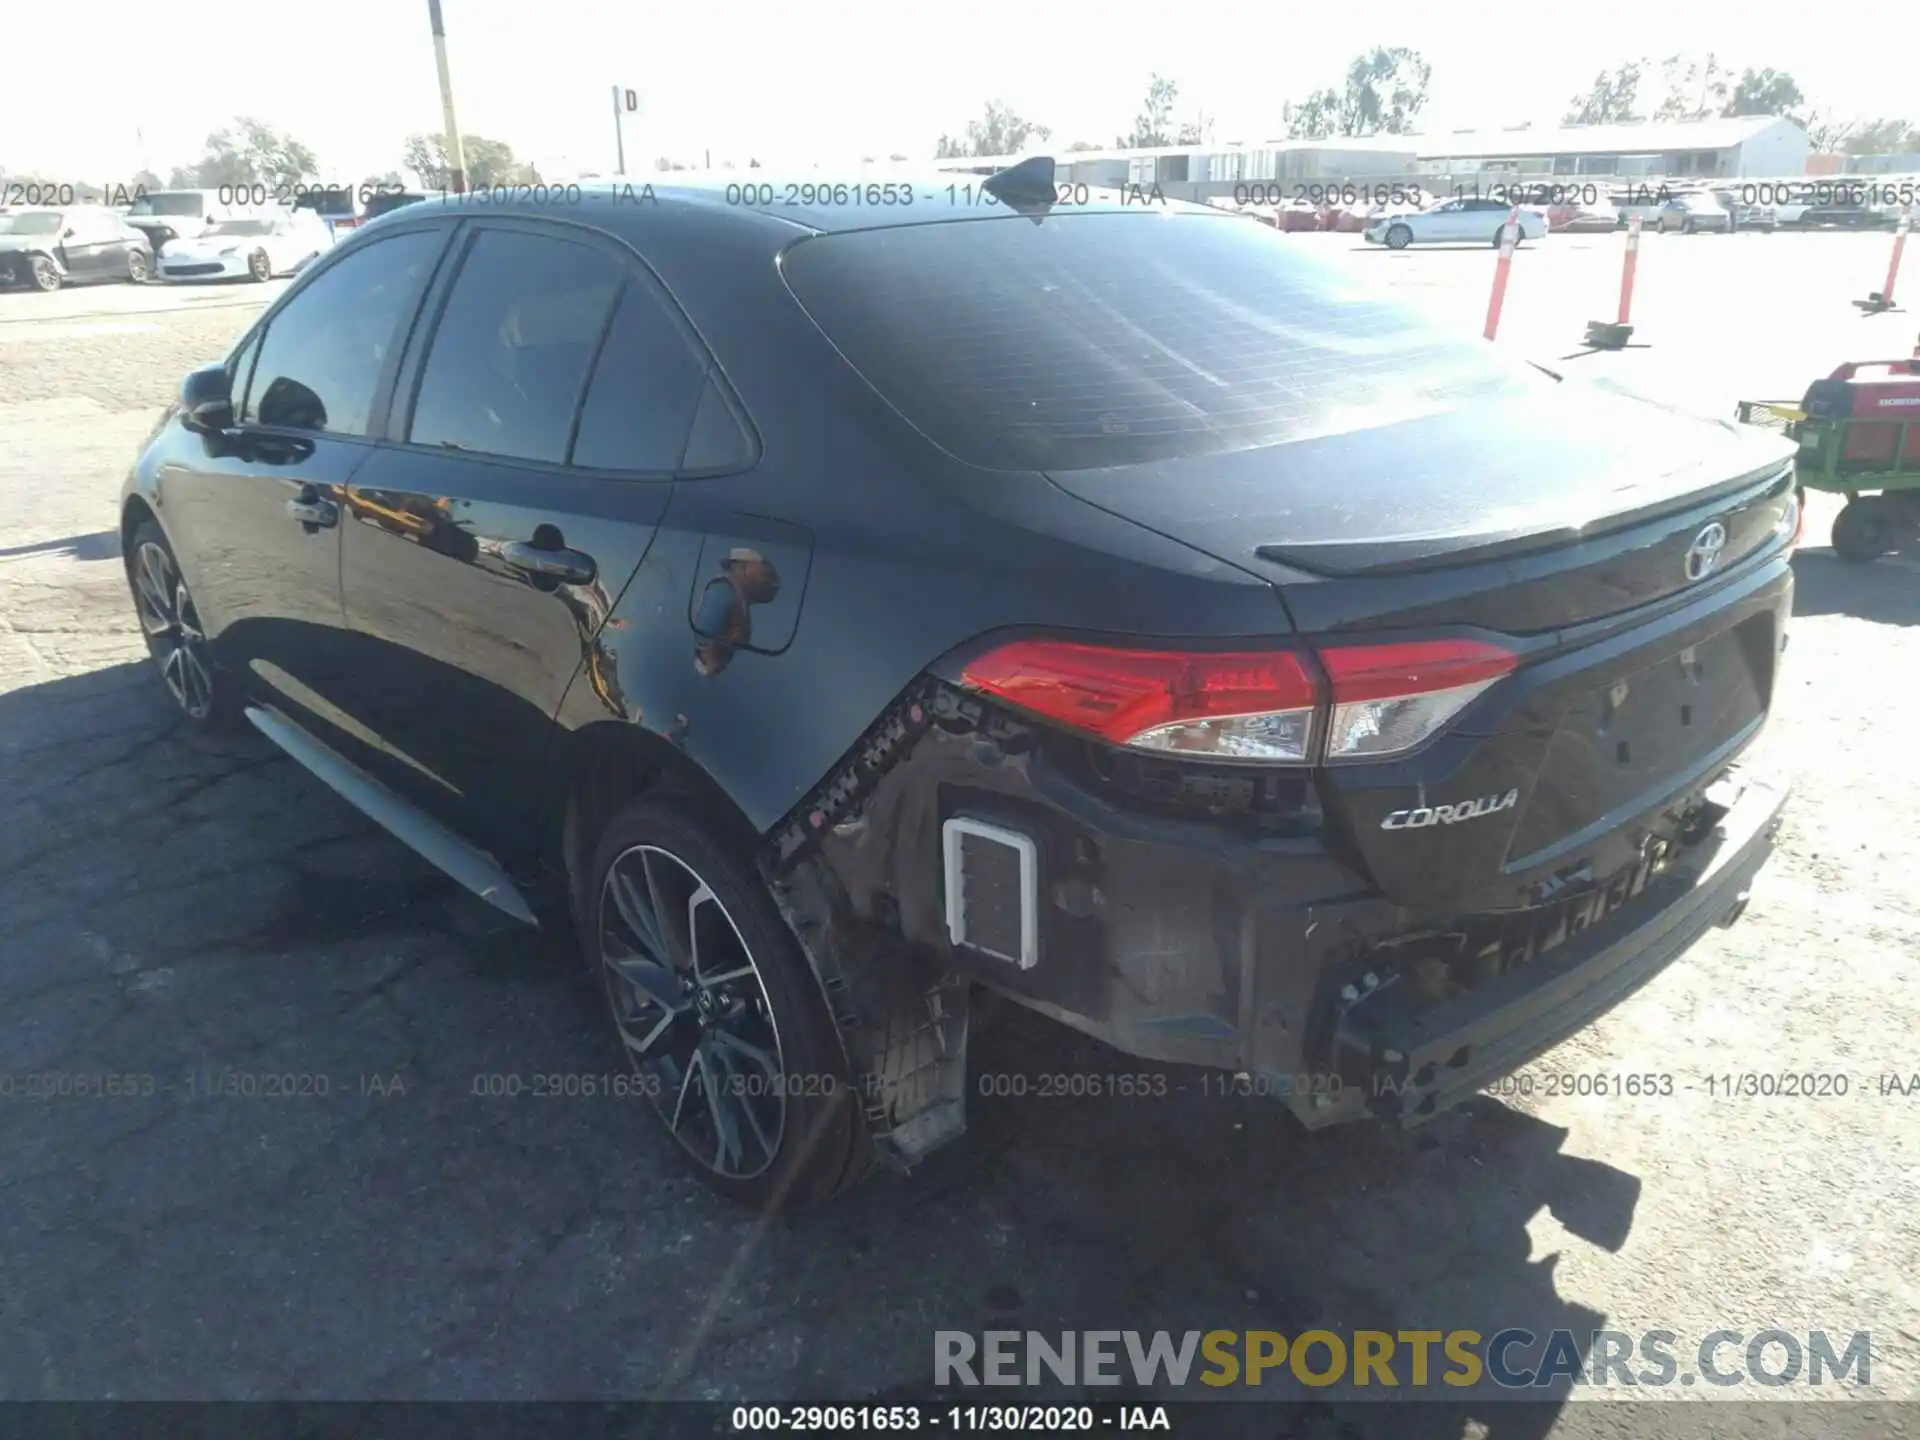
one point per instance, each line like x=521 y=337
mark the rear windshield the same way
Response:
x=1094 y=340
x=165 y=203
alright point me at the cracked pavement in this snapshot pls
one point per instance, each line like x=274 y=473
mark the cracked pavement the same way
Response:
x=183 y=912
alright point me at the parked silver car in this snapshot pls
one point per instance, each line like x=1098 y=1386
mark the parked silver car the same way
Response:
x=1747 y=215
x=1694 y=212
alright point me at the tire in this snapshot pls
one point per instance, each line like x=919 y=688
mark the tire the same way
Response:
x=139 y=268
x=171 y=624
x=1687 y=227
x=782 y=1127
x=1399 y=237
x=44 y=275
x=259 y=267
x=1865 y=529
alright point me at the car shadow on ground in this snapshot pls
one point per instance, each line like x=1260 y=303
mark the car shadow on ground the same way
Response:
x=1888 y=593
x=402 y=1213
x=101 y=545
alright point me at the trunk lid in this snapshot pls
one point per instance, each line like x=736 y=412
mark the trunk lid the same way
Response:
x=1549 y=468
x=1570 y=529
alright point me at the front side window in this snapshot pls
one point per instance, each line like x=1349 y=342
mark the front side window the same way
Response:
x=325 y=351
x=240 y=369
x=514 y=345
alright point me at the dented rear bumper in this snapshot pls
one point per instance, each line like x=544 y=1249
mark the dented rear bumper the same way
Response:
x=1254 y=948
x=1409 y=1062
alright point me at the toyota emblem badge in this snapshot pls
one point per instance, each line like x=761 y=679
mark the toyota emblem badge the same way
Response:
x=1704 y=554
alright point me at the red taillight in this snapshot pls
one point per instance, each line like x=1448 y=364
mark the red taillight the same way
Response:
x=1389 y=698
x=1248 y=705
x=1376 y=672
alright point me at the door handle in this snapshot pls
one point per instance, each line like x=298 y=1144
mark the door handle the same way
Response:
x=569 y=566
x=314 y=512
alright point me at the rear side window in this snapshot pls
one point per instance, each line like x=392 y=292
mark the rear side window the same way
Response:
x=514 y=344
x=645 y=387
x=1094 y=340
x=324 y=352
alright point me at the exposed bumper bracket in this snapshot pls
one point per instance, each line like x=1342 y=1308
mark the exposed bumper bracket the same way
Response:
x=1414 y=1061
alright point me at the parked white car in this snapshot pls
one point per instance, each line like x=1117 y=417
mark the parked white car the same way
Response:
x=1461 y=220
x=168 y=215
x=256 y=246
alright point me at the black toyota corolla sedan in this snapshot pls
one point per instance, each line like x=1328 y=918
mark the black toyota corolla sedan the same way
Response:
x=833 y=601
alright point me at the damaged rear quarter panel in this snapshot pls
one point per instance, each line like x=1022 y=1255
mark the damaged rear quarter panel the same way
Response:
x=1181 y=940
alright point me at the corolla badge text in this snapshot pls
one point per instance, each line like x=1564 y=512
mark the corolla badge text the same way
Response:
x=1422 y=816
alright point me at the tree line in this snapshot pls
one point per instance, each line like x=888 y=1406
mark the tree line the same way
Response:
x=250 y=152
x=1383 y=91
x=1691 y=88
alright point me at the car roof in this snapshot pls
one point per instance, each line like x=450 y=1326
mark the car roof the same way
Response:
x=936 y=198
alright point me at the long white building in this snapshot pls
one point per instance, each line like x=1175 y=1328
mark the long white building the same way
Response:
x=1755 y=145
x=1762 y=145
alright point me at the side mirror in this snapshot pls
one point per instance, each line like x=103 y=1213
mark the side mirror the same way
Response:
x=206 y=400
x=68 y=233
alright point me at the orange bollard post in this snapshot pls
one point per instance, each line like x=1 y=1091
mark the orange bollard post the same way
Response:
x=1509 y=237
x=1627 y=268
x=1882 y=299
x=1601 y=335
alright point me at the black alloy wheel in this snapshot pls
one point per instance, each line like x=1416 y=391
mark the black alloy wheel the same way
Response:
x=718 y=1011
x=171 y=624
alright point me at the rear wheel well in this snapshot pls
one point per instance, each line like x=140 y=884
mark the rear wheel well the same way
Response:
x=136 y=513
x=609 y=764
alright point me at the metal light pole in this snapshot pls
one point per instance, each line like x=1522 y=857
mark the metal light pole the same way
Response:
x=619 y=137
x=456 y=153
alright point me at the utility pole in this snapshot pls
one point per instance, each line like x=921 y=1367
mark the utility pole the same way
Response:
x=456 y=153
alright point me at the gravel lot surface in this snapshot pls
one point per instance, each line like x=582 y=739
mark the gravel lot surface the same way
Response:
x=181 y=909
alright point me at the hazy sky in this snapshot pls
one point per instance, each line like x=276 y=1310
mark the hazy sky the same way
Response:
x=839 y=78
